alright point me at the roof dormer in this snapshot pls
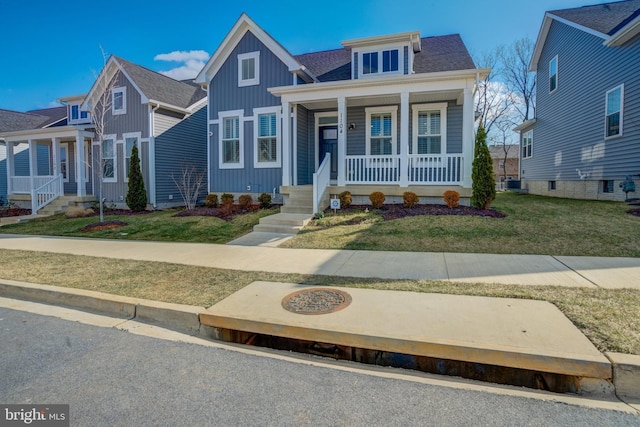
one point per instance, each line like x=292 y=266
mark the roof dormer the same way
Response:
x=383 y=55
x=74 y=114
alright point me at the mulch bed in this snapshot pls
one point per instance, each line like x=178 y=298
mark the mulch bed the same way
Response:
x=222 y=212
x=9 y=212
x=396 y=211
x=105 y=225
x=635 y=212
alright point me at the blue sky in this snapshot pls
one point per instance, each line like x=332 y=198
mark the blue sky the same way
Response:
x=51 y=49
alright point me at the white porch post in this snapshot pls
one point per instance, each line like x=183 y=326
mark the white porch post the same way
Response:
x=342 y=141
x=286 y=143
x=80 y=169
x=404 y=139
x=33 y=171
x=10 y=167
x=55 y=154
x=467 y=137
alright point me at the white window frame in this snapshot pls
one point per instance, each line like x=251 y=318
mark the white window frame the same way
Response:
x=123 y=91
x=527 y=141
x=621 y=112
x=380 y=50
x=554 y=59
x=393 y=109
x=65 y=146
x=256 y=125
x=111 y=138
x=224 y=115
x=127 y=160
x=256 y=78
x=416 y=109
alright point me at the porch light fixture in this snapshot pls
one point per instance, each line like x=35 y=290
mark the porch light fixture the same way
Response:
x=351 y=126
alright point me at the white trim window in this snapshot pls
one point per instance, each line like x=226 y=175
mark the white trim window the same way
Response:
x=614 y=102
x=267 y=137
x=381 y=131
x=64 y=161
x=384 y=60
x=77 y=116
x=231 y=140
x=108 y=159
x=119 y=100
x=527 y=144
x=249 y=69
x=129 y=140
x=429 y=128
x=553 y=74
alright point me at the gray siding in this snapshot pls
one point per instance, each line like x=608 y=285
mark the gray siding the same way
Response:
x=116 y=192
x=135 y=120
x=356 y=145
x=183 y=145
x=454 y=128
x=305 y=162
x=570 y=123
x=225 y=95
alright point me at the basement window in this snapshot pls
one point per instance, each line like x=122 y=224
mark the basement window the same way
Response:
x=552 y=185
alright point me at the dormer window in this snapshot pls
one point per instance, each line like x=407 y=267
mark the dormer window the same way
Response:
x=381 y=62
x=77 y=116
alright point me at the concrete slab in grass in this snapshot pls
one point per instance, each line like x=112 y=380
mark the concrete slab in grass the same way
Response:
x=496 y=331
x=537 y=270
x=395 y=265
x=610 y=273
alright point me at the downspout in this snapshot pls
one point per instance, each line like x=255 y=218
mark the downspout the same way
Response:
x=152 y=155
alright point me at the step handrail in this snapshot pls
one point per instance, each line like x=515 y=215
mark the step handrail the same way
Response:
x=46 y=193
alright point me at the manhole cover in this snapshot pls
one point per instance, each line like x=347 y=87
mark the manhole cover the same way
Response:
x=316 y=301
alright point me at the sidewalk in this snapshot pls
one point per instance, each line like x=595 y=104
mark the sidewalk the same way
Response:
x=473 y=268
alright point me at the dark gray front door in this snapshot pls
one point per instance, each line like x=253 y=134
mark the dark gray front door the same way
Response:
x=328 y=139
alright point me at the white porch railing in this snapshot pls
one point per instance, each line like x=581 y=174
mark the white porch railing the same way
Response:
x=321 y=180
x=46 y=193
x=432 y=169
x=22 y=184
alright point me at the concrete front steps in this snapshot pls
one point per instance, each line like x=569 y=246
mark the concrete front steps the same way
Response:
x=62 y=203
x=296 y=212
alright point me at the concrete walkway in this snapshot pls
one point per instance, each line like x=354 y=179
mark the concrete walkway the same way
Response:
x=472 y=268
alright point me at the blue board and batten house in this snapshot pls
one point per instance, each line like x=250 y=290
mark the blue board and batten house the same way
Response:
x=391 y=113
x=585 y=138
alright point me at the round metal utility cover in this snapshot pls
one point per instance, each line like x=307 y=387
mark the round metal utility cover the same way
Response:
x=316 y=301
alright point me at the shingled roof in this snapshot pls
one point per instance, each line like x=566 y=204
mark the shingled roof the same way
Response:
x=159 y=87
x=440 y=53
x=605 y=18
x=12 y=121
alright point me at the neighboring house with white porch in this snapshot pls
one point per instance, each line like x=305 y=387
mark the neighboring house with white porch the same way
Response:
x=391 y=113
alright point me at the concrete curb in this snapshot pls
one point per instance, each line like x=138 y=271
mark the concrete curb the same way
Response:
x=626 y=376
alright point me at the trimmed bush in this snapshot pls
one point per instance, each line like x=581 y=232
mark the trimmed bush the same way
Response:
x=245 y=201
x=211 y=201
x=451 y=198
x=483 y=188
x=345 y=199
x=409 y=199
x=377 y=199
x=226 y=199
x=265 y=200
x=136 y=195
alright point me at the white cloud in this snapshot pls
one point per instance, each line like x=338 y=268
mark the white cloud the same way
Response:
x=192 y=61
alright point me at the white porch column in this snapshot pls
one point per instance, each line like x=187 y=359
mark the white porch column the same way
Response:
x=10 y=167
x=342 y=141
x=55 y=155
x=33 y=171
x=467 y=137
x=286 y=143
x=404 y=139
x=80 y=169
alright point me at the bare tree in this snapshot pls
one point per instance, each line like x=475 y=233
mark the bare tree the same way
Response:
x=493 y=98
x=189 y=183
x=514 y=71
x=503 y=137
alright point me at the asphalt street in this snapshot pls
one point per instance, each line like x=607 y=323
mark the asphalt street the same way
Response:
x=115 y=378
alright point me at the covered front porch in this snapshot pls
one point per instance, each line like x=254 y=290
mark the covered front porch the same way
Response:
x=44 y=164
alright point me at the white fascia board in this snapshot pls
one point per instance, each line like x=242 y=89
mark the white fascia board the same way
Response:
x=45 y=133
x=544 y=32
x=624 y=34
x=524 y=125
x=72 y=99
x=407 y=37
x=166 y=106
x=232 y=39
x=197 y=105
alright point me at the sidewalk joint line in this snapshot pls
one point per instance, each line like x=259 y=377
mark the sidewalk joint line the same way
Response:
x=581 y=275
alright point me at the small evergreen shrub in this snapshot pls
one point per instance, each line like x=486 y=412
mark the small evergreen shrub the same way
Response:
x=451 y=198
x=211 y=201
x=483 y=187
x=136 y=195
x=345 y=199
x=265 y=200
x=226 y=199
x=377 y=199
x=409 y=199
x=245 y=201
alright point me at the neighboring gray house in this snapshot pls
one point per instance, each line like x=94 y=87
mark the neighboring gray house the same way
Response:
x=585 y=138
x=394 y=112
x=164 y=117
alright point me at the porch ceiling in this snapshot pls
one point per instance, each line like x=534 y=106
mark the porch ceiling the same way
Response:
x=363 y=101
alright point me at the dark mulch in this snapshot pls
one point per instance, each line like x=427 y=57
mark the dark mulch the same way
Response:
x=8 y=212
x=223 y=212
x=124 y=212
x=635 y=212
x=396 y=211
x=105 y=225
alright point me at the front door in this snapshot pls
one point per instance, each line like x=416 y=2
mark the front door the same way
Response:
x=328 y=143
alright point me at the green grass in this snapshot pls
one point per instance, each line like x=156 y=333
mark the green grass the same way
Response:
x=534 y=225
x=157 y=226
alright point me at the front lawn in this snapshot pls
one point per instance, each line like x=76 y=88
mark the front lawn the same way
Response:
x=533 y=225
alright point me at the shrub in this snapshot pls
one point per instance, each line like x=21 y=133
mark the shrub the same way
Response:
x=136 y=195
x=211 y=201
x=78 y=212
x=245 y=201
x=265 y=200
x=345 y=199
x=483 y=188
x=452 y=198
x=409 y=199
x=377 y=199
x=226 y=199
